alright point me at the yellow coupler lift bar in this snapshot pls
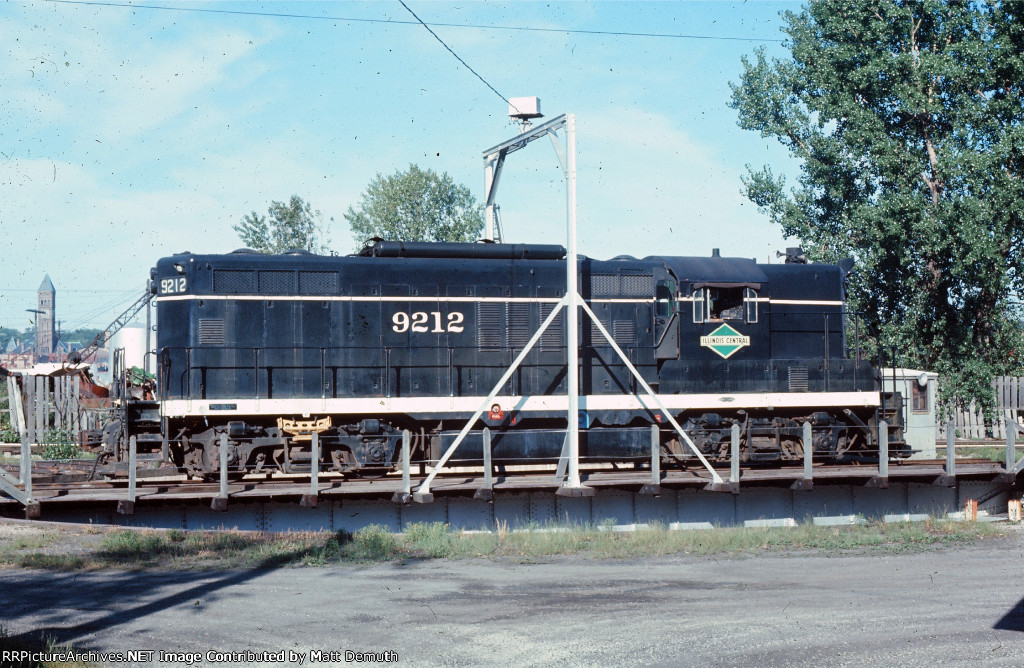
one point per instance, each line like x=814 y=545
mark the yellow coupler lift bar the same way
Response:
x=302 y=430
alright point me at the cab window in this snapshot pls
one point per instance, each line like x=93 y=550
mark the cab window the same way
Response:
x=664 y=299
x=718 y=303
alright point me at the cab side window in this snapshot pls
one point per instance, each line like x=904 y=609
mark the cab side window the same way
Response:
x=719 y=303
x=664 y=299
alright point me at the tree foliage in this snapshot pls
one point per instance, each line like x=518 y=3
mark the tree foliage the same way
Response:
x=907 y=119
x=286 y=226
x=416 y=205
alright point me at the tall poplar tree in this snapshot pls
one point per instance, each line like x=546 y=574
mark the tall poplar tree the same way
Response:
x=907 y=121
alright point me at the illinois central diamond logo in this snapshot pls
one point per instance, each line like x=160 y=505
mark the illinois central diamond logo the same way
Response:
x=725 y=341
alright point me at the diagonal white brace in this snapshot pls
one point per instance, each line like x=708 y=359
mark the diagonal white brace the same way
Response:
x=647 y=389
x=9 y=486
x=424 y=489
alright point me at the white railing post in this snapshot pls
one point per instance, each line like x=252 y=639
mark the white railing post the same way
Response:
x=655 y=454
x=133 y=447
x=883 y=450
x=951 y=449
x=310 y=500
x=654 y=486
x=808 y=452
x=26 y=471
x=314 y=471
x=734 y=455
x=221 y=500
x=806 y=481
x=1011 y=443
x=487 y=492
x=127 y=506
x=26 y=461
x=405 y=495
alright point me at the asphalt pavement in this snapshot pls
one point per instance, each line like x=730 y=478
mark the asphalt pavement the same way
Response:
x=946 y=607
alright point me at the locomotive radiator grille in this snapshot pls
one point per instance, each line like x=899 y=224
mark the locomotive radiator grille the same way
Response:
x=276 y=282
x=797 y=379
x=211 y=332
x=551 y=339
x=230 y=281
x=519 y=330
x=624 y=332
x=489 y=323
x=626 y=285
x=318 y=282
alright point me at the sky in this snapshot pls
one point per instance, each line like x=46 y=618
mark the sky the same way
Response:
x=129 y=132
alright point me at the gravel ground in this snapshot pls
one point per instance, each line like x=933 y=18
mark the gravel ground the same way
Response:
x=953 y=606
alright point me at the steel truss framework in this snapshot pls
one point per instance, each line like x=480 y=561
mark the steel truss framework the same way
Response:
x=494 y=160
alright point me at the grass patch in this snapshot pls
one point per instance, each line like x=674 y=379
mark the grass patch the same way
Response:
x=181 y=550
x=8 y=644
x=995 y=453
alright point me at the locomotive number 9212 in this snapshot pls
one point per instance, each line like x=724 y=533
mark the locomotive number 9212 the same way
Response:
x=422 y=321
x=170 y=286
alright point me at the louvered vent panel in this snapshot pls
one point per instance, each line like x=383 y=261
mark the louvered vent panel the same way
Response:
x=637 y=285
x=604 y=285
x=489 y=323
x=519 y=331
x=318 y=282
x=230 y=281
x=624 y=332
x=797 y=379
x=276 y=282
x=551 y=339
x=596 y=337
x=211 y=332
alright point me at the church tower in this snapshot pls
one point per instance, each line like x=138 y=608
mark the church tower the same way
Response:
x=46 y=338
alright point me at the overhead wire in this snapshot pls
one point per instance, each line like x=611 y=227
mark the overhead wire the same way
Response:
x=115 y=305
x=457 y=57
x=475 y=26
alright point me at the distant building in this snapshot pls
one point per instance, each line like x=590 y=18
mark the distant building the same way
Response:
x=46 y=333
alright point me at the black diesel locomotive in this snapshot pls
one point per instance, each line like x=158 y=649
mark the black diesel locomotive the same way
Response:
x=269 y=349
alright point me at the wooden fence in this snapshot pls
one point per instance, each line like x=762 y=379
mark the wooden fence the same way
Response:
x=970 y=422
x=41 y=406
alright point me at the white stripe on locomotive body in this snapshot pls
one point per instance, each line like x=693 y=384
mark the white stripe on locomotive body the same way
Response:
x=805 y=302
x=174 y=408
x=502 y=300
x=374 y=298
x=784 y=302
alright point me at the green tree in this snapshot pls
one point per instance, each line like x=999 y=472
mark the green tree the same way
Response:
x=286 y=226
x=416 y=205
x=907 y=121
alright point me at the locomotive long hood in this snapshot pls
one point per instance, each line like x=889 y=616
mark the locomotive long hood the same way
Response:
x=703 y=270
